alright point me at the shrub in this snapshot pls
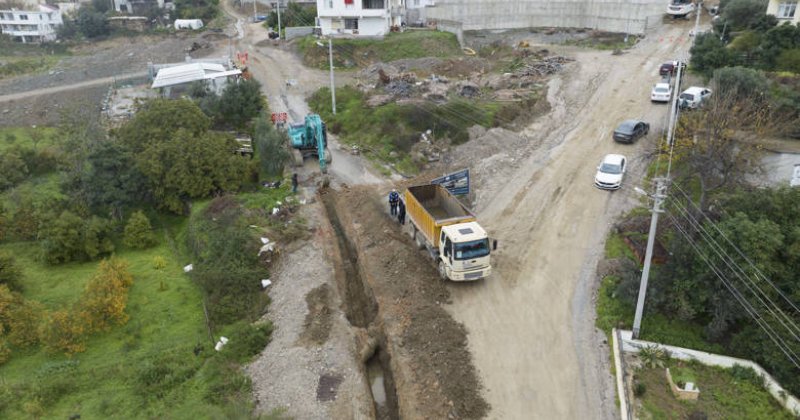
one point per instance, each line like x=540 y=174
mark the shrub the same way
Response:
x=64 y=331
x=69 y=237
x=159 y=263
x=138 y=232
x=105 y=299
x=789 y=60
x=247 y=340
x=10 y=271
x=748 y=374
x=639 y=389
x=653 y=356
x=158 y=375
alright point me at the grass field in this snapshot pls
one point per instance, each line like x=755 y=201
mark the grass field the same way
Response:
x=15 y=66
x=26 y=137
x=724 y=394
x=350 y=53
x=147 y=368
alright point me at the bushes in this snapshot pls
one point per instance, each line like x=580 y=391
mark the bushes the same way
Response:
x=10 y=271
x=70 y=237
x=138 y=232
x=106 y=296
x=64 y=331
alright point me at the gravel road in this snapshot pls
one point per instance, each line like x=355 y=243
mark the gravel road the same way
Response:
x=531 y=326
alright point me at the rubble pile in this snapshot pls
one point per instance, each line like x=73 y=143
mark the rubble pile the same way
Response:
x=544 y=67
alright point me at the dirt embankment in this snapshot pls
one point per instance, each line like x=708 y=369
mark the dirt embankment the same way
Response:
x=431 y=369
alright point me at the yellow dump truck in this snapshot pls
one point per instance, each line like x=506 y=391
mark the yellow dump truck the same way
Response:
x=450 y=233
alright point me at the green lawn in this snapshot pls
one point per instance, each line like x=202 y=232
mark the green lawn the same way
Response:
x=724 y=394
x=16 y=66
x=26 y=137
x=394 y=46
x=166 y=321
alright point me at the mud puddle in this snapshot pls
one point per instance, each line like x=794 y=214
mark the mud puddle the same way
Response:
x=382 y=385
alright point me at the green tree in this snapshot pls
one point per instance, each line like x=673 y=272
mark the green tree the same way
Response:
x=92 y=23
x=197 y=9
x=100 y=6
x=138 y=232
x=270 y=146
x=775 y=42
x=157 y=120
x=191 y=166
x=743 y=14
x=294 y=15
x=240 y=103
x=70 y=237
x=12 y=170
x=112 y=181
x=709 y=54
x=10 y=271
x=741 y=84
x=104 y=301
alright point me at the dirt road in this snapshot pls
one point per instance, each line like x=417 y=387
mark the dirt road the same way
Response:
x=531 y=329
x=75 y=86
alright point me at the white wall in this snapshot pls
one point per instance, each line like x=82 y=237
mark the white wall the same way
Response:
x=366 y=26
x=606 y=15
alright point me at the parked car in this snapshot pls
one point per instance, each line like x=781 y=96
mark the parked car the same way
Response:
x=662 y=92
x=631 y=130
x=260 y=18
x=610 y=172
x=671 y=67
x=694 y=97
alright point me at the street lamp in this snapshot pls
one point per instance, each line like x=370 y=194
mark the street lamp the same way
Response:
x=330 y=60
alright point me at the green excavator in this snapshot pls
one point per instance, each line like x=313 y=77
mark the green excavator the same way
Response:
x=310 y=139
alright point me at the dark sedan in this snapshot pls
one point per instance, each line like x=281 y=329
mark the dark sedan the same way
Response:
x=670 y=68
x=630 y=131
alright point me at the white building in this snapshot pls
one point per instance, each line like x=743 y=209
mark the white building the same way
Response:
x=175 y=79
x=359 y=17
x=141 y=6
x=784 y=10
x=31 y=26
x=415 y=11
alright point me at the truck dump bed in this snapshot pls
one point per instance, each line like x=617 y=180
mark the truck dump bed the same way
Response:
x=431 y=206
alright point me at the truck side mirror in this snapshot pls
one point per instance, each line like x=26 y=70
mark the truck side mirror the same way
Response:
x=494 y=245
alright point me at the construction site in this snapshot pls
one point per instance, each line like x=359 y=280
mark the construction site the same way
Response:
x=364 y=325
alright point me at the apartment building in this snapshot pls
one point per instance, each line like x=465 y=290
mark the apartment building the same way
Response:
x=784 y=10
x=359 y=17
x=31 y=26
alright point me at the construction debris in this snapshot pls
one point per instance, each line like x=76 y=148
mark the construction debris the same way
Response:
x=544 y=67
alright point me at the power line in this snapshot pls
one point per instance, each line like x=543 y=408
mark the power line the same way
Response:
x=747 y=307
x=758 y=272
x=738 y=272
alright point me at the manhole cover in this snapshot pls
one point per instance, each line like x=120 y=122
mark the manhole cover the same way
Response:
x=326 y=389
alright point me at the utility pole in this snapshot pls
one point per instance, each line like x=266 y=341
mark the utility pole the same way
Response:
x=333 y=86
x=255 y=11
x=279 y=19
x=628 y=24
x=658 y=200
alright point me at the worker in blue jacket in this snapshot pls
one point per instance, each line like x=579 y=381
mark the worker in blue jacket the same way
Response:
x=394 y=198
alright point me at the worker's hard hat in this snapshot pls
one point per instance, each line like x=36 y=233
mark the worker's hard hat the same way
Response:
x=394 y=189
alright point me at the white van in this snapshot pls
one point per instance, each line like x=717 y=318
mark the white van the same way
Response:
x=693 y=97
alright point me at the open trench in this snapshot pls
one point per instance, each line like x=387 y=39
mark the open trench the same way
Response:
x=361 y=310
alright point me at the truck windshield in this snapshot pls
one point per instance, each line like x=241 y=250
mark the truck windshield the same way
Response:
x=472 y=249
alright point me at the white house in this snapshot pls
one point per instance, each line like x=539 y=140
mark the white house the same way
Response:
x=31 y=26
x=141 y=6
x=784 y=10
x=359 y=17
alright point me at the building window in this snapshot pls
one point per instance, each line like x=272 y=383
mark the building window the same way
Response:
x=23 y=17
x=787 y=9
x=416 y=2
x=373 y=4
x=330 y=4
x=351 y=24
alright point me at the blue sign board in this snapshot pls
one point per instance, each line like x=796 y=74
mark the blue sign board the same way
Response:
x=457 y=182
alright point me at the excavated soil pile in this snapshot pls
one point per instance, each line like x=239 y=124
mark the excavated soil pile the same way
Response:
x=432 y=368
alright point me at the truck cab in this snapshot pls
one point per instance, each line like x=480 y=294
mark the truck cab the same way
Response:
x=464 y=251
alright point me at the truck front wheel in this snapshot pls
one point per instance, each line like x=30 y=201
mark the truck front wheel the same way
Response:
x=442 y=271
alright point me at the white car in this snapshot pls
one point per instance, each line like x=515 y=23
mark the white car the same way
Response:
x=610 y=172
x=662 y=92
x=694 y=97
